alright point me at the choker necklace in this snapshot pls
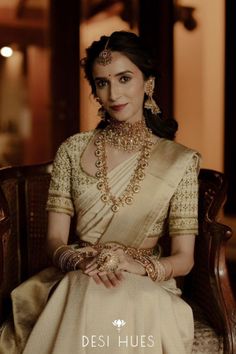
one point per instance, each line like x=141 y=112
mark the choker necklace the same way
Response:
x=126 y=136
x=138 y=175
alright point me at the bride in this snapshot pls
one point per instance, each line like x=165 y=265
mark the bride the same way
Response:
x=127 y=184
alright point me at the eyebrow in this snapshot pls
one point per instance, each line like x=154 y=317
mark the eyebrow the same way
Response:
x=119 y=74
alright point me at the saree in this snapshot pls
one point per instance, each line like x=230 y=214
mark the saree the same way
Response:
x=56 y=313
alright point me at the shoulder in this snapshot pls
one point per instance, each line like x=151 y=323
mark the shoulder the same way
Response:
x=75 y=143
x=171 y=159
x=176 y=147
x=192 y=157
x=77 y=139
x=174 y=150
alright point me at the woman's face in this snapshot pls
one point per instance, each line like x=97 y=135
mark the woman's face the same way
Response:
x=120 y=88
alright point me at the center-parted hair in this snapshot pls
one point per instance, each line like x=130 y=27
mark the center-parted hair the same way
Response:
x=132 y=46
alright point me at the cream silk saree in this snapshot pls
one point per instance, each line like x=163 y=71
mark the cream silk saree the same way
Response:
x=56 y=313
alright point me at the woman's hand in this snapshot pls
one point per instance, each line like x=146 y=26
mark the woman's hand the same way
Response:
x=111 y=279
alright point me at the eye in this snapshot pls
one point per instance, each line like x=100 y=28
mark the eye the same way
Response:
x=101 y=83
x=124 y=79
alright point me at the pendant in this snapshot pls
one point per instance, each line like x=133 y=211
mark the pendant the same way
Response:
x=115 y=208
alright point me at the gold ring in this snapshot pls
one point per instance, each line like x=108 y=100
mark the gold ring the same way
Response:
x=108 y=261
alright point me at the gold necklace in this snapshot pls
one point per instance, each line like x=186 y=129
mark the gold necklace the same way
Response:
x=138 y=175
x=126 y=136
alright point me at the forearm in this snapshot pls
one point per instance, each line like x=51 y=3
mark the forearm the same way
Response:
x=53 y=244
x=62 y=255
x=165 y=267
x=179 y=264
x=58 y=231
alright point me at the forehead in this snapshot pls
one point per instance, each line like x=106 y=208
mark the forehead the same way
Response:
x=120 y=63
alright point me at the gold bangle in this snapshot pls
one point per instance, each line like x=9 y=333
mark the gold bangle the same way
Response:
x=168 y=277
x=54 y=256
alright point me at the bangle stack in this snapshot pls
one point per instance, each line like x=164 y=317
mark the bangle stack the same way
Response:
x=68 y=259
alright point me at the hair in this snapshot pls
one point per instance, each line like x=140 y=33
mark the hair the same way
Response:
x=130 y=45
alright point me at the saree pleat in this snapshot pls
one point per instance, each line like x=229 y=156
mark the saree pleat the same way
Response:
x=94 y=216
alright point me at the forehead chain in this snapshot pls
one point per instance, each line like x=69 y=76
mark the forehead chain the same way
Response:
x=105 y=57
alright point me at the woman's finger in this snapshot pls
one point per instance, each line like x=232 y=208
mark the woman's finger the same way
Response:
x=89 y=264
x=113 y=279
x=91 y=272
x=106 y=281
x=97 y=279
x=119 y=275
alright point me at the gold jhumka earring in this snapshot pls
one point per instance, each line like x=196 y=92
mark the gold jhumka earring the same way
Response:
x=150 y=103
x=105 y=57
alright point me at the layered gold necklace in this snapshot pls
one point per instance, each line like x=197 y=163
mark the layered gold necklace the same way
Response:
x=127 y=137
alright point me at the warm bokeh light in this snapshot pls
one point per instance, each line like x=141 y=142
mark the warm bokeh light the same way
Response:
x=6 y=52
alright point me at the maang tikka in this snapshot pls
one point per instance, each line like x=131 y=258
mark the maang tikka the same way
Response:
x=149 y=90
x=105 y=57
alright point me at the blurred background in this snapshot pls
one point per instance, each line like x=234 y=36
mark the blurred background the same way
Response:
x=44 y=97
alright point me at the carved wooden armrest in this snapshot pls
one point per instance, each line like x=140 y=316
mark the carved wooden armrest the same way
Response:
x=220 y=283
x=4 y=237
x=210 y=286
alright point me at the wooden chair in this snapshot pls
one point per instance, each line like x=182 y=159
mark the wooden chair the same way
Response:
x=23 y=224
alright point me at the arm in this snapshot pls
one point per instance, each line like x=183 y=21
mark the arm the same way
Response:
x=60 y=210
x=183 y=221
x=181 y=260
x=59 y=204
x=58 y=231
x=183 y=225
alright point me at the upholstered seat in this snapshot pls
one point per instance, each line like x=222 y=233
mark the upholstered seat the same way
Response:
x=23 y=225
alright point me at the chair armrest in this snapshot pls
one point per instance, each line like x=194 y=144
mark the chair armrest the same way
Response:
x=220 y=282
x=209 y=282
x=4 y=237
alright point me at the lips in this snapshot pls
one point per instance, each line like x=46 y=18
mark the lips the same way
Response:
x=119 y=107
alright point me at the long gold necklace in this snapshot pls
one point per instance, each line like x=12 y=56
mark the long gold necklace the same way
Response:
x=138 y=175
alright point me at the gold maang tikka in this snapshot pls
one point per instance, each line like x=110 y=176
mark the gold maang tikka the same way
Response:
x=105 y=57
x=149 y=90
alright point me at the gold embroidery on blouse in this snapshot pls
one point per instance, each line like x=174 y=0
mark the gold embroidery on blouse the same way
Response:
x=68 y=180
x=183 y=209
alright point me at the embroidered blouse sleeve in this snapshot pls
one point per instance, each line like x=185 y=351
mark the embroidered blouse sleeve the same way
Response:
x=59 y=195
x=183 y=213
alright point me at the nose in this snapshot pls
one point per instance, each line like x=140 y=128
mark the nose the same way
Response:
x=114 y=91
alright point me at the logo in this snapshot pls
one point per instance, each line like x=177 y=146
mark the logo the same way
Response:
x=118 y=324
x=118 y=340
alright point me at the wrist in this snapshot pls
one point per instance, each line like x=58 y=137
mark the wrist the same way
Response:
x=141 y=270
x=68 y=259
x=154 y=268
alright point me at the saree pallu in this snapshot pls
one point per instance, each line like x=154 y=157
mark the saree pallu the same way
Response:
x=56 y=313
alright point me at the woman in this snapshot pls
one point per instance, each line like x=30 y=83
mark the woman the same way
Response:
x=127 y=184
